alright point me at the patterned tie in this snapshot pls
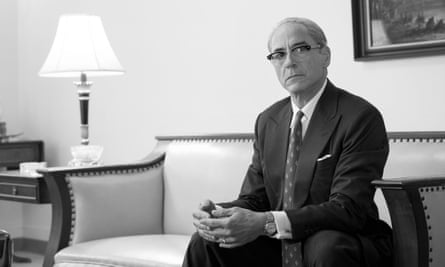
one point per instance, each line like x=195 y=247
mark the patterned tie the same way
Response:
x=291 y=252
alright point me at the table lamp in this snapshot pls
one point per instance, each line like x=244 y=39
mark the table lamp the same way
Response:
x=81 y=49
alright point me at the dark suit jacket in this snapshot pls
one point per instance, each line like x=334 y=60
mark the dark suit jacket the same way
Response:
x=335 y=193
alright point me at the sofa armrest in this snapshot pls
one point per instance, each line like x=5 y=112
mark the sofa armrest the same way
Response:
x=415 y=206
x=104 y=201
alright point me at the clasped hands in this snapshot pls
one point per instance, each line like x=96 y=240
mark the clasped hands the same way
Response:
x=230 y=227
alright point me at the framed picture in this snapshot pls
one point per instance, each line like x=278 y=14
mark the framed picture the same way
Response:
x=398 y=28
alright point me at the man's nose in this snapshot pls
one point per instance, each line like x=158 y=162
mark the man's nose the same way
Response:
x=289 y=60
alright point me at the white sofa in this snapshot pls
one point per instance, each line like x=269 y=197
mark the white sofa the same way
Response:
x=139 y=214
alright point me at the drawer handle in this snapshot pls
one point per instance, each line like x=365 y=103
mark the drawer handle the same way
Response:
x=14 y=190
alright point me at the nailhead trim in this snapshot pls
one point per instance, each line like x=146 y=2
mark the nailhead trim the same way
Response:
x=213 y=140
x=423 y=191
x=416 y=140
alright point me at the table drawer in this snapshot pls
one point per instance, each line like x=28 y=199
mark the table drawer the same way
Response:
x=19 y=191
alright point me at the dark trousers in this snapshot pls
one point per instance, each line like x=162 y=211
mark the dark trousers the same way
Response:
x=326 y=248
x=263 y=252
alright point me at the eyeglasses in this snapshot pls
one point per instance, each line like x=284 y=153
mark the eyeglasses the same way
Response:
x=297 y=51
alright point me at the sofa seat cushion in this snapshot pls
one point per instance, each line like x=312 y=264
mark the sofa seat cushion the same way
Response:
x=134 y=251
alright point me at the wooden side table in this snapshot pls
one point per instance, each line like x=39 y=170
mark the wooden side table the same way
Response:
x=15 y=186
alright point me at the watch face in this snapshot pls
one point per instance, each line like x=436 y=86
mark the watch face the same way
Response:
x=271 y=229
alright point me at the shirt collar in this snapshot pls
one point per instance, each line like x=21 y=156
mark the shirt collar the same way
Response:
x=309 y=108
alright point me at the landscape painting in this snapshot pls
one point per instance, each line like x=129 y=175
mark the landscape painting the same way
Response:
x=399 y=27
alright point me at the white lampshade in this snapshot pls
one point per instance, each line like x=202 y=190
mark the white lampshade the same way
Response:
x=80 y=46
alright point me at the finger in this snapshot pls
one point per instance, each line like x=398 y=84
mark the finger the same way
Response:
x=199 y=214
x=207 y=206
x=197 y=217
x=230 y=245
x=230 y=242
x=206 y=203
x=217 y=233
x=222 y=240
x=219 y=213
x=225 y=239
x=206 y=236
x=200 y=226
x=214 y=223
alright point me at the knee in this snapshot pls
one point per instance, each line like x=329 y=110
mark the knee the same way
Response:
x=197 y=242
x=331 y=248
x=197 y=252
x=196 y=238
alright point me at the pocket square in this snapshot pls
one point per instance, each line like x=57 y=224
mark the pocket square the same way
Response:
x=324 y=157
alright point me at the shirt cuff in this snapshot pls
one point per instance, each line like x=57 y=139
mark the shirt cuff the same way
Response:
x=284 y=230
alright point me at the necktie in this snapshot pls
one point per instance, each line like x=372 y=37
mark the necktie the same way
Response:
x=291 y=252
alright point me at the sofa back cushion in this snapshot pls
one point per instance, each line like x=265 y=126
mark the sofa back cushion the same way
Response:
x=127 y=205
x=415 y=157
x=196 y=170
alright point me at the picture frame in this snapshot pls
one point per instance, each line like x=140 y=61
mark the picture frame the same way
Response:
x=384 y=29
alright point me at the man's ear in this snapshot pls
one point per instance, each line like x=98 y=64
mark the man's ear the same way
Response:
x=326 y=51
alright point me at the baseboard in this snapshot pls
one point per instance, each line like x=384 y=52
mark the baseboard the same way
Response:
x=31 y=245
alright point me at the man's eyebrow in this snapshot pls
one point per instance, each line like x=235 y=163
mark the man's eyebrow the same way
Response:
x=299 y=44
x=279 y=49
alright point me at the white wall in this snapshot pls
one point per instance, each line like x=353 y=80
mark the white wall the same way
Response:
x=10 y=213
x=199 y=66
x=8 y=65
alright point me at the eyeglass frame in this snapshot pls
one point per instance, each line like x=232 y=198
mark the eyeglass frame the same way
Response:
x=296 y=47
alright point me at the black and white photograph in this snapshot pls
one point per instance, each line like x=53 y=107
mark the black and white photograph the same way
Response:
x=235 y=133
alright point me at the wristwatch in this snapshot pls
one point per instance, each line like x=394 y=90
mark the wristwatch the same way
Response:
x=270 y=228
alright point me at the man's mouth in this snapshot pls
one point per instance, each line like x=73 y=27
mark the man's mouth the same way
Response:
x=294 y=76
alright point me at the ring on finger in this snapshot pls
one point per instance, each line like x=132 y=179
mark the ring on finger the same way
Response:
x=223 y=240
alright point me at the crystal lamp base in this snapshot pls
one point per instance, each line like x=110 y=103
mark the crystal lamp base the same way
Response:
x=85 y=155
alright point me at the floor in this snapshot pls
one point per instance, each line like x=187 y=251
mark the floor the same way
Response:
x=36 y=259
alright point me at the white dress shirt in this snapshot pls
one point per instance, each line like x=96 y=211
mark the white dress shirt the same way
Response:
x=284 y=230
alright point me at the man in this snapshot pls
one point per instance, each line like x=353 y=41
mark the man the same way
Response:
x=307 y=198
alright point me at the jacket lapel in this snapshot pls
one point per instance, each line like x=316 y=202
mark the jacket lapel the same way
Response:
x=276 y=150
x=321 y=127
